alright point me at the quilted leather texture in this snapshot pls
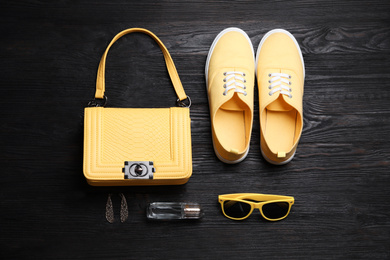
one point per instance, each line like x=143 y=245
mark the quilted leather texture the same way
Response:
x=115 y=135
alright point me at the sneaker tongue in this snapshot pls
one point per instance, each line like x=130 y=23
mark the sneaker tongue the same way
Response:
x=279 y=104
x=235 y=103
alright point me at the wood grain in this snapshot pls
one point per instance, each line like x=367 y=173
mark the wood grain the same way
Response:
x=340 y=178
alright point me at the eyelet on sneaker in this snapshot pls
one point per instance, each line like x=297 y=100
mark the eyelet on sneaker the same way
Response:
x=224 y=93
x=224 y=85
x=269 y=81
x=243 y=74
x=290 y=89
x=289 y=83
x=269 y=87
x=289 y=76
x=224 y=80
x=269 y=93
x=244 y=80
x=269 y=75
x=245 y=94
x=224 y=73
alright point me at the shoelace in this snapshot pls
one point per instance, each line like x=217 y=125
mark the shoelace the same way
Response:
x=231 y=83
x=276 y=84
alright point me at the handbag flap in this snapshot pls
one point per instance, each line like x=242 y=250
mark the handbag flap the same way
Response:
x=115 y=135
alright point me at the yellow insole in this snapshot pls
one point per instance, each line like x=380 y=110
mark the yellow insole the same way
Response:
x=229 y=126
x=280 y=130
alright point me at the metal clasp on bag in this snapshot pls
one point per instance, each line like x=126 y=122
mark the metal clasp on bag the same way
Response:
x=182 y=103
x=138 y=170
x=95 y=103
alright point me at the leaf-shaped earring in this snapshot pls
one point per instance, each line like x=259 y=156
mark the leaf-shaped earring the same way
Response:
x=124 y=209
x=109 y=210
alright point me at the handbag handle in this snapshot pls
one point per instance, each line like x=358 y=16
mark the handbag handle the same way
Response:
x=100 y=81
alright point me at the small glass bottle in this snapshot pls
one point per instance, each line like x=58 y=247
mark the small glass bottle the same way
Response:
x=174 y=210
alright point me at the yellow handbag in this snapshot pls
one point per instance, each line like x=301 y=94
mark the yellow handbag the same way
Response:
x=137 y=146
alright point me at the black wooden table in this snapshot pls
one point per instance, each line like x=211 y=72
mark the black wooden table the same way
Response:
x=339 y=177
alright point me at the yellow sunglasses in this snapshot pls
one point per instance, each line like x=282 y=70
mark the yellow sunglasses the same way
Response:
x=239 y=206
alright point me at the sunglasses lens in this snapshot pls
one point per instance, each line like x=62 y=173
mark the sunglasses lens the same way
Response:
x=275 y=210
x=236 y=209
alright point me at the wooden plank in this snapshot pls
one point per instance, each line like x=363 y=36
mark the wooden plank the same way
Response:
x=339 y=176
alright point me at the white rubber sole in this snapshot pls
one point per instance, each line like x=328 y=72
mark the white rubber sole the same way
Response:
x=303 y=66
x=276 y=163
x=231 y=29
x=227 y=161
